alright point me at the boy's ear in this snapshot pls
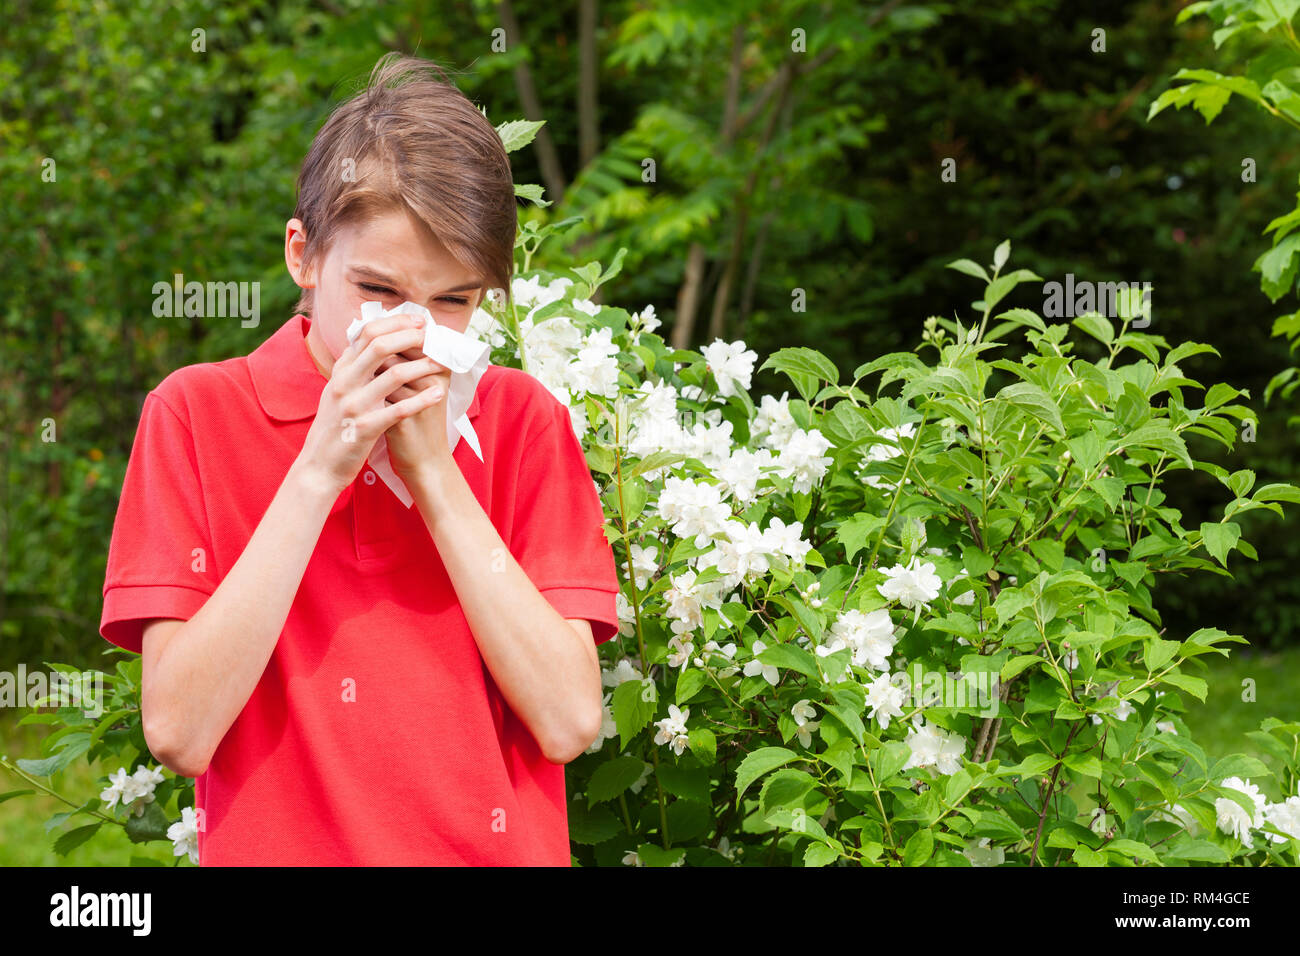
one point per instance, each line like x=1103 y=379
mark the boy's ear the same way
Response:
x=295 y=245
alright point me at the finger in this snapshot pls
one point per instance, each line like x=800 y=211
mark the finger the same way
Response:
x=400 y=374
x=420 y=384
x=376 y=342
x=386 y=416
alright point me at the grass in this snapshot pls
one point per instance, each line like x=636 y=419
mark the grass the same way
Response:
x=1219 y=726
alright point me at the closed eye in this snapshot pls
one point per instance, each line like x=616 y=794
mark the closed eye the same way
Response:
x=383 y=290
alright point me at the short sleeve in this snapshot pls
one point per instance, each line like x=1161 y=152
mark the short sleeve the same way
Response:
x=558 y=531
x=160 y=556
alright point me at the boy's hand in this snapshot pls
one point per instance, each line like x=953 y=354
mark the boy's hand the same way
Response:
x=353 y=412
x=421 y=439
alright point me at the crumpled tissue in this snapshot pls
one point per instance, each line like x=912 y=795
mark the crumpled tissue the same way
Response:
x=464 y=355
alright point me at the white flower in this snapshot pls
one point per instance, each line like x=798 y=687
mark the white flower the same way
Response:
x=1166 y=727
x=672 y=729
x=886 y=699
x=801 y=459
x=484 y=326
x=587 y=306
x=135 y=791
x=933 y=747
x=681 y=650
x=786 y=539
x=870 y=636
x=913 y=585
x=632 y=858
x=532 y=295
x=726 y=849
x=773 y=424
x=117 y=790
x=184 y=835
x=1122 y=710
x=640 y=781
x=644 y=321
x=622 y=671
x=608 y=728
x=694 y=509
x=741 y=471
x=981 y=854
x=729 y=652
x=803 y=713
x=731 y=364
x=756 y=666
x=1230 y=816
x=1285 y=816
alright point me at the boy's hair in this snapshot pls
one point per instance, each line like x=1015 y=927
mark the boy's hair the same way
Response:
x=411 y=140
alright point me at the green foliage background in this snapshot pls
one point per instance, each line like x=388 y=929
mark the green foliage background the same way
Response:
x=825 y=178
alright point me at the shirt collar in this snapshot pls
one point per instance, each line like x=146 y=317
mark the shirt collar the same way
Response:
x=285 y=378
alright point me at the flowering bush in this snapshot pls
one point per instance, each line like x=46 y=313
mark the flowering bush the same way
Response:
x=902 y=628
x=913 y=625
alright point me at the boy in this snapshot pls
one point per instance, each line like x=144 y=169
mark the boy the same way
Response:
x=350 y=681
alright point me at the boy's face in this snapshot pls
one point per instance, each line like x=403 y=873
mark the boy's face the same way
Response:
x=391 y=259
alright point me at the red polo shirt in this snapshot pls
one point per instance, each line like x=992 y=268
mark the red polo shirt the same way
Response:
x=376 y=735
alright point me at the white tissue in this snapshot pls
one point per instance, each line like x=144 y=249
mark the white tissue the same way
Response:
x=465 y=356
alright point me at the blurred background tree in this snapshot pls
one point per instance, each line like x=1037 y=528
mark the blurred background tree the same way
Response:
x=774 y=169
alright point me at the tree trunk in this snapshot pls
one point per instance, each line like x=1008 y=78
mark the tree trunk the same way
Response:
x=588 y=113
x=688 y=296
x=547 y=155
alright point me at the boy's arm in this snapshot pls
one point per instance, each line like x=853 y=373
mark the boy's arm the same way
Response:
x=547 y=673
x=198 y=674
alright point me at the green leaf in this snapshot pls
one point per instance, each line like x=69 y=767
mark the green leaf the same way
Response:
x=1034 y=400
x=613 y=777
x=785 y=788
x=151 y=825
x=689 y=683
x=74 y=838
x=590 y=826
x=703 y=743
x=10 y=794
x=532 y=192
x=656 y=460
x=1238 y=765
x=1086 y=764
x=1219 y=539
x=888 y=760
x=803 y=364
x=918 y=849
x=1201 y=850
x=819 y=854
x=1156 y=653
x=1035 y=765
x=631 y=713
x=1277 y=492
x=758 y=763
x=1086 y=857
x=1193 y=685
x=790 y=657
x=1097 y=326
x=517 y=134
x=969 y=267
x=976 y=562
